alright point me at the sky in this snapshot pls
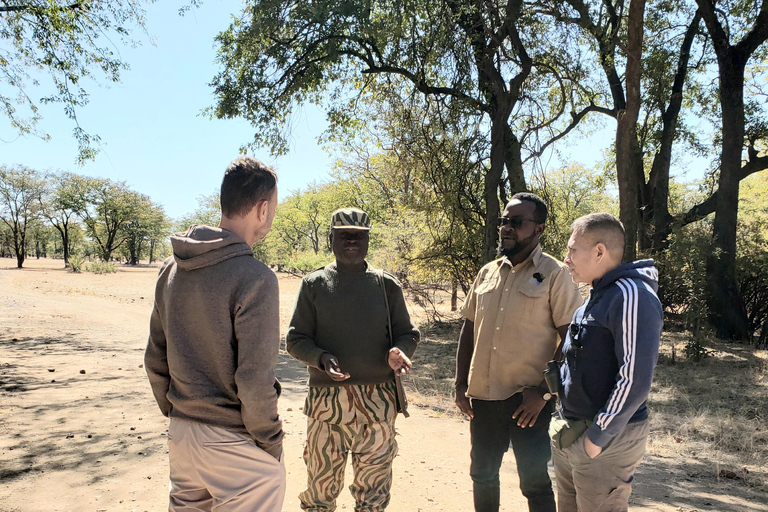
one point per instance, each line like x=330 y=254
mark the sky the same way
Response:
x=155 y=137
x=153 y=134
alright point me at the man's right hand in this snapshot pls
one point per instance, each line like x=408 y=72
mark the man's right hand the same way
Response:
x=331 y=366
x=462 y=401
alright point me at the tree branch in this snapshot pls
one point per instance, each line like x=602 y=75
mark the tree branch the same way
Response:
x=707 y=206
x=16 y=8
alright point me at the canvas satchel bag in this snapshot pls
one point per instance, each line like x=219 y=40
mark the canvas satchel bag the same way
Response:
x=402 y=401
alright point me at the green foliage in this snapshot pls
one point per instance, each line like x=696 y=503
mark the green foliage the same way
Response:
x=148 y=227
x=570 y=192
x=207 y=213
x=76 y=263
x=682 y=276
x=682 y=266
x=695 y=350
x=106 y=208
x=101 y=267
x=71 y=42
x=307 y=261
x=752 y=257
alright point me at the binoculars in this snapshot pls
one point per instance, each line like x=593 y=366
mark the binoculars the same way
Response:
x=552 y=378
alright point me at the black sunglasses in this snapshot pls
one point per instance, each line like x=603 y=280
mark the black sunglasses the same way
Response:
x=512 y=222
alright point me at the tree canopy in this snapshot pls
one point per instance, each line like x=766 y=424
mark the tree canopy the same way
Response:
x=57 y=47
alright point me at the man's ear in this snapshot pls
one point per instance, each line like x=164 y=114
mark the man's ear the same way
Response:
x=601 y=251
x=539 y=229
x=262 y=210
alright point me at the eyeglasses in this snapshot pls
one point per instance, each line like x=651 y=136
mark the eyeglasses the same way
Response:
x=512 y=222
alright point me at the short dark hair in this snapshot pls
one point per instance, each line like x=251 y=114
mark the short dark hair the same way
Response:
x=246 y=182
x=602 y=228
x=541 y=211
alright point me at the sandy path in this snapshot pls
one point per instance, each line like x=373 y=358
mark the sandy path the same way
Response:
x=79 y=429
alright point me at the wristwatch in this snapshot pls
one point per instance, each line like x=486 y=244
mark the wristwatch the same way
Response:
x=545 y=395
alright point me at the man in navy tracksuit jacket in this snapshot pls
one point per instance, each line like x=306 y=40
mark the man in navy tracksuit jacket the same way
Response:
x=610 y=353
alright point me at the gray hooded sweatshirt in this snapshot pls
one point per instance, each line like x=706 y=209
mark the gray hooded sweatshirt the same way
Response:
x=214 y=336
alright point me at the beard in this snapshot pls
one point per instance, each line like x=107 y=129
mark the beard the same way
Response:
x=520 y=246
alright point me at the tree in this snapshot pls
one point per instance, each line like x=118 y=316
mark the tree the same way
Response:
x=655 y=54
x=158 y=230
x=570 y=192
x=40 y=235
x=59 y=204
x=70 y=41
x=208 y=213
x=726 y=304
x=146 y=227
x=305 y=215
x=501 y=64
x=20 y=191
x=106 y=209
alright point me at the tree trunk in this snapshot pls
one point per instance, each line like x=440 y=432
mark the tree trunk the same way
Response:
x=65 y=246
x=19 y=245
x=724 y=300
x=492 y=178
x=629 y=162
x=726 y=305
x=762 y=341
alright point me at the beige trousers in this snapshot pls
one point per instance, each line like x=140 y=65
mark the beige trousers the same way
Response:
x=602 y=484
x=214 y=469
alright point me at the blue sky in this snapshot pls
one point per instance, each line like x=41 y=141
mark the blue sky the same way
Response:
x=153 y=135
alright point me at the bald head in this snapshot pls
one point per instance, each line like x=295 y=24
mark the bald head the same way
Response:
x=601 y=228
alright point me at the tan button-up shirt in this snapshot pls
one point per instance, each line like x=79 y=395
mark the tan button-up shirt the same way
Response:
x=516 y=311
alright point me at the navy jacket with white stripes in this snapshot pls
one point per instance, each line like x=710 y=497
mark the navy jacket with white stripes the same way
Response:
x=611 y=350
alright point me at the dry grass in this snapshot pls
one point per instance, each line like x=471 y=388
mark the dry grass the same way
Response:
x=713 y=410
x=431 y=383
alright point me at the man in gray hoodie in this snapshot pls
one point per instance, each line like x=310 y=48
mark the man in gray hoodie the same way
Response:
x=212 y=351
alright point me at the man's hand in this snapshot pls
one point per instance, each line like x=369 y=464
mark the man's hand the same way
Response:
x=331 y=366
x=591 y=448
x=398 y=361
x=529 y=409
x=462 y=401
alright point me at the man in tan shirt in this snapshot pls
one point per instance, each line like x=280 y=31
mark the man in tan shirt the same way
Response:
x=517 y=307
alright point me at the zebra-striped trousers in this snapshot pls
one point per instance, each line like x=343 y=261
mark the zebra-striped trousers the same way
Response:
x=373 y=449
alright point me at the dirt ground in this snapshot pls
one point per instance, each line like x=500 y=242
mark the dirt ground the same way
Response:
x=80 y=430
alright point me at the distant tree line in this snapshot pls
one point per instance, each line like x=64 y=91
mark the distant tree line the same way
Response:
x=60 y=214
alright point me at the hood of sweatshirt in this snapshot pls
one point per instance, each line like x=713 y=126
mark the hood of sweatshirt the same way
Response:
x=641 y=269
x=203 y=246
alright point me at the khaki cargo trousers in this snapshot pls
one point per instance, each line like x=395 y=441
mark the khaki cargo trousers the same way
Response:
x=602 y=484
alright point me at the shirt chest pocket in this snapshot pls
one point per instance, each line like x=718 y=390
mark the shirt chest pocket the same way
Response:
x=534 y=301
x=488 y=293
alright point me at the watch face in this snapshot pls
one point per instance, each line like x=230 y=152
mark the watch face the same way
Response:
x=547 y=396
